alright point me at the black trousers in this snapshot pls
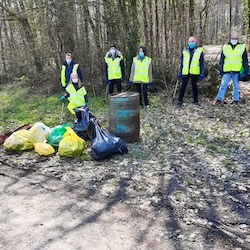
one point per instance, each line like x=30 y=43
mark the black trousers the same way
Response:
x=194 y=80
x=144 y=88
x=112 y=83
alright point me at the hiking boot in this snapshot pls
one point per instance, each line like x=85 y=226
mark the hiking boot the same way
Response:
x=179 y=105
x=197 y=104
x=218 y=102
x=235 y=102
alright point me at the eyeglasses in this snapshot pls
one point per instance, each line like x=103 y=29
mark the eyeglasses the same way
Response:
x=234 y=38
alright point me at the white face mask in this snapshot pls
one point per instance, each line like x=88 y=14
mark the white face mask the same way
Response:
x=75 y=80
x=112 y=51
x=68 y=61
x=234 y=42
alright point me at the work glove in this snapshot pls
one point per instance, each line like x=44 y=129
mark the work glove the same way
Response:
x=86 y=104
x=150 y=84
x=63 y=98
x=122 y=79
x=107 y=81
x=179 y=76
x=130 y=83
x=202 y=77
x=221 y=73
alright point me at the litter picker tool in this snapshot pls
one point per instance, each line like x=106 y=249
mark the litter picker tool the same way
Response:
x=175 y=90
x=62 y=113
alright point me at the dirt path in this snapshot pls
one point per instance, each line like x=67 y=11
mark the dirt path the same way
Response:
x=39 y=212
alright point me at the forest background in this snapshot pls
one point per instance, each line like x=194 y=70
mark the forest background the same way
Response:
x=35 y=35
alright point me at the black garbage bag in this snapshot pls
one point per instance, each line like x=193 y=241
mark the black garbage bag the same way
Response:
x=105 y=144
x=243 y=76
x=81 y=124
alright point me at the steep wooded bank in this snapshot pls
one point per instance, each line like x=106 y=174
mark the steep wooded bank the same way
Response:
x=35 y=35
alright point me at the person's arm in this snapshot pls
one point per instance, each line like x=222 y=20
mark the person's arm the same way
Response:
x=202 y=63
x=122 y=68
x=63 y=78
x=86 y=98
x=66 y=95
x=181 y=65
x=79 y=73
x=106 y=71
x=150 y=75
x=132 y=72
x=245 y=61
x=222 y=58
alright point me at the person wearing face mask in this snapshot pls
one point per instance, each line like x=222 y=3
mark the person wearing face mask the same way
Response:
x=191 y=67
x=76 y=93
x=233 y=57
x=114 y=69
x=141 y=74
x=69 y=66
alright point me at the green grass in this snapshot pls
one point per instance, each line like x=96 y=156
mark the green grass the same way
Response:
x=220 y=145
x=18 y=106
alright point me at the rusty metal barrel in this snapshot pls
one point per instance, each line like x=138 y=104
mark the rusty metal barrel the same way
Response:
x=124 y=116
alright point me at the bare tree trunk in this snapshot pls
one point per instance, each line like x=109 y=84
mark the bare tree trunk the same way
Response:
x=151 y=34
x=191 y=18
x=157 y=37
x=230 y=18
x=145 y=22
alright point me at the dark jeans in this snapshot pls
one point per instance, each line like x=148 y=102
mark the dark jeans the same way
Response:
x=118 y=83
x=144 y=88
x=194 y=80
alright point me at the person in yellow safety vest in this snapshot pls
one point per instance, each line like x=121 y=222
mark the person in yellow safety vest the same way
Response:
x=141 y=74
x=191 y=67
x=76 y=93
x=69 y=66
x=114 y=69
x=233 y=57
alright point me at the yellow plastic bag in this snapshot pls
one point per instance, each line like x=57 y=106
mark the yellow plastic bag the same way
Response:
x=43 y=148
x=39 y=132
x=19 y=140
x=71 y=145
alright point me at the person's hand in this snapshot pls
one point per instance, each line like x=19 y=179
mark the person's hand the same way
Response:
x=63 y=98
x=122 y=79
x=202 y=77
x=107 y=81
x=221 y=73
x=130 y=83
x=179 y=75
x=86 y=104
x=150 y=84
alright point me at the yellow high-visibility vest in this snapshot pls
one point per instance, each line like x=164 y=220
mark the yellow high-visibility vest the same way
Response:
x=194 y=68
x=141 y=69
x=76 y=97
x=114 y=68
x=233 y=57
x=63 y=73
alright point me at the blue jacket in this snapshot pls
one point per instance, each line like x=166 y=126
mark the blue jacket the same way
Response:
x=68 y=71
x=191 y=51
x=244 y=59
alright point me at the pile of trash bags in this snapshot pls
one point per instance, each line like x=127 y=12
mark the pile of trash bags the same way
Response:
x=70 y=142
